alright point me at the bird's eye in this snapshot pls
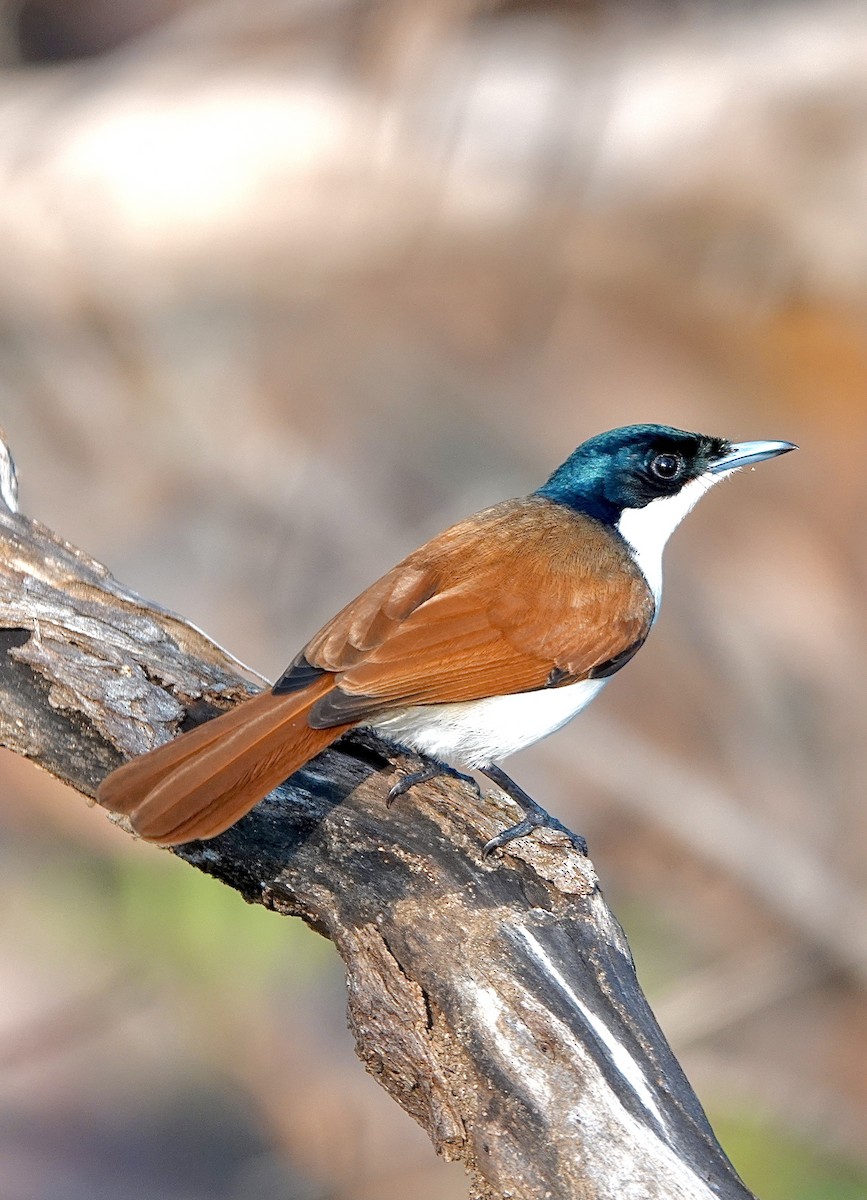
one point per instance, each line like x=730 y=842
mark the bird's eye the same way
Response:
x=666 y=466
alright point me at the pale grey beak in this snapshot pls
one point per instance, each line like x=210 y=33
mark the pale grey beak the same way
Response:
x=744 y=454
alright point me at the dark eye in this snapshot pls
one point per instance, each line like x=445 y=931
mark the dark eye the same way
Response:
x=666 y=466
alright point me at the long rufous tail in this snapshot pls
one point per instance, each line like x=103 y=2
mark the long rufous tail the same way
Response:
x=207 y=779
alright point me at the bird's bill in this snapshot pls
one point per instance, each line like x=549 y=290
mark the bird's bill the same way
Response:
x=745 y=454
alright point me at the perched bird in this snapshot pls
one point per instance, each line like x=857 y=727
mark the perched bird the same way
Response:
x=491 y=636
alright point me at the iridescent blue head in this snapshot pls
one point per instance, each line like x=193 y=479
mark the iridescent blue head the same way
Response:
x=642 y=480
x=630 y=468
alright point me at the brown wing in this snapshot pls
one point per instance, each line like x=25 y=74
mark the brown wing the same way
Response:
x=519 y=597
x=522 y=596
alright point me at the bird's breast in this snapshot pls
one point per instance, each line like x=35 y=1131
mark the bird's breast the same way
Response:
x=478 y=732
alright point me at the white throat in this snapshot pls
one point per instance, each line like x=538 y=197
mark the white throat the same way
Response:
x=648 y=529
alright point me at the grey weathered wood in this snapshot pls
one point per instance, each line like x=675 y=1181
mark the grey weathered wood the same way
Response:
x=496 y=1001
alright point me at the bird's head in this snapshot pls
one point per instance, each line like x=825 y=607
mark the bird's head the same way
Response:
x=644 y=479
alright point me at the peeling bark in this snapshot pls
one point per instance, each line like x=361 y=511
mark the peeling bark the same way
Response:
x=495 y=1001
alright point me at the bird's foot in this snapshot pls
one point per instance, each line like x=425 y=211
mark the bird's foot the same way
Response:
x=535 y=816
x=432 y=769
x=380 y=752
x=535 y=819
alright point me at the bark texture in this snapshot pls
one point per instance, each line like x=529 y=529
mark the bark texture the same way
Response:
x=496 y=1001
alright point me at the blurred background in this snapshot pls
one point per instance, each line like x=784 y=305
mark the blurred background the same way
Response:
x=285 y=287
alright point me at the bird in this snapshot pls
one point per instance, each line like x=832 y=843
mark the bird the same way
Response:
x=489 y=637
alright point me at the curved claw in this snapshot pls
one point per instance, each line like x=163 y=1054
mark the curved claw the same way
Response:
x=536 y=817
x=409 y=781
x=432 y=770
x=508 y=835
x=534 y=820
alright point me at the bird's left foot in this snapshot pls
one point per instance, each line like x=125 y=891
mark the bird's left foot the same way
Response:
x=431 y=770
x=535 y=816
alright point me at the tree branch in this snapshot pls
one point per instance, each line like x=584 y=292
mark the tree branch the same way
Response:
x=496 y=1001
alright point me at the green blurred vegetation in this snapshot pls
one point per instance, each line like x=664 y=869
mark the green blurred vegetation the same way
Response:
x=182 y=920
x=779 y=1166
x=155 y=913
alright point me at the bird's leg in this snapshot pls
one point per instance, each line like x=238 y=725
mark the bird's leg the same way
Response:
x=536 y=816
x=363 y=743
x=432 y=769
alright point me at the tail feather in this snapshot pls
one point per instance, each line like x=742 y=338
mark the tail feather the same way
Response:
x=205 y=780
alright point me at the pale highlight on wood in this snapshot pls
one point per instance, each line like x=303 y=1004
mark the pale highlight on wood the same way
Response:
x=496 y=1002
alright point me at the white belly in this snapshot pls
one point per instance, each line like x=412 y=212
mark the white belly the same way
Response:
x=479 y=732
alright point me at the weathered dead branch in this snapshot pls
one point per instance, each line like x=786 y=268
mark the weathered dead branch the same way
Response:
x=496 y=1001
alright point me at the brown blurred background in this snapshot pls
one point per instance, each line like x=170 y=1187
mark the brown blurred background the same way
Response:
x=285 y=287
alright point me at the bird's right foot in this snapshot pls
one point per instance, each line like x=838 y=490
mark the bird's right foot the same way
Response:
x=536 y=817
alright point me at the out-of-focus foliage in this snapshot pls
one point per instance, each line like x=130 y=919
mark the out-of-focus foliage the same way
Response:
x=778 y=1166
x=287 y=286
